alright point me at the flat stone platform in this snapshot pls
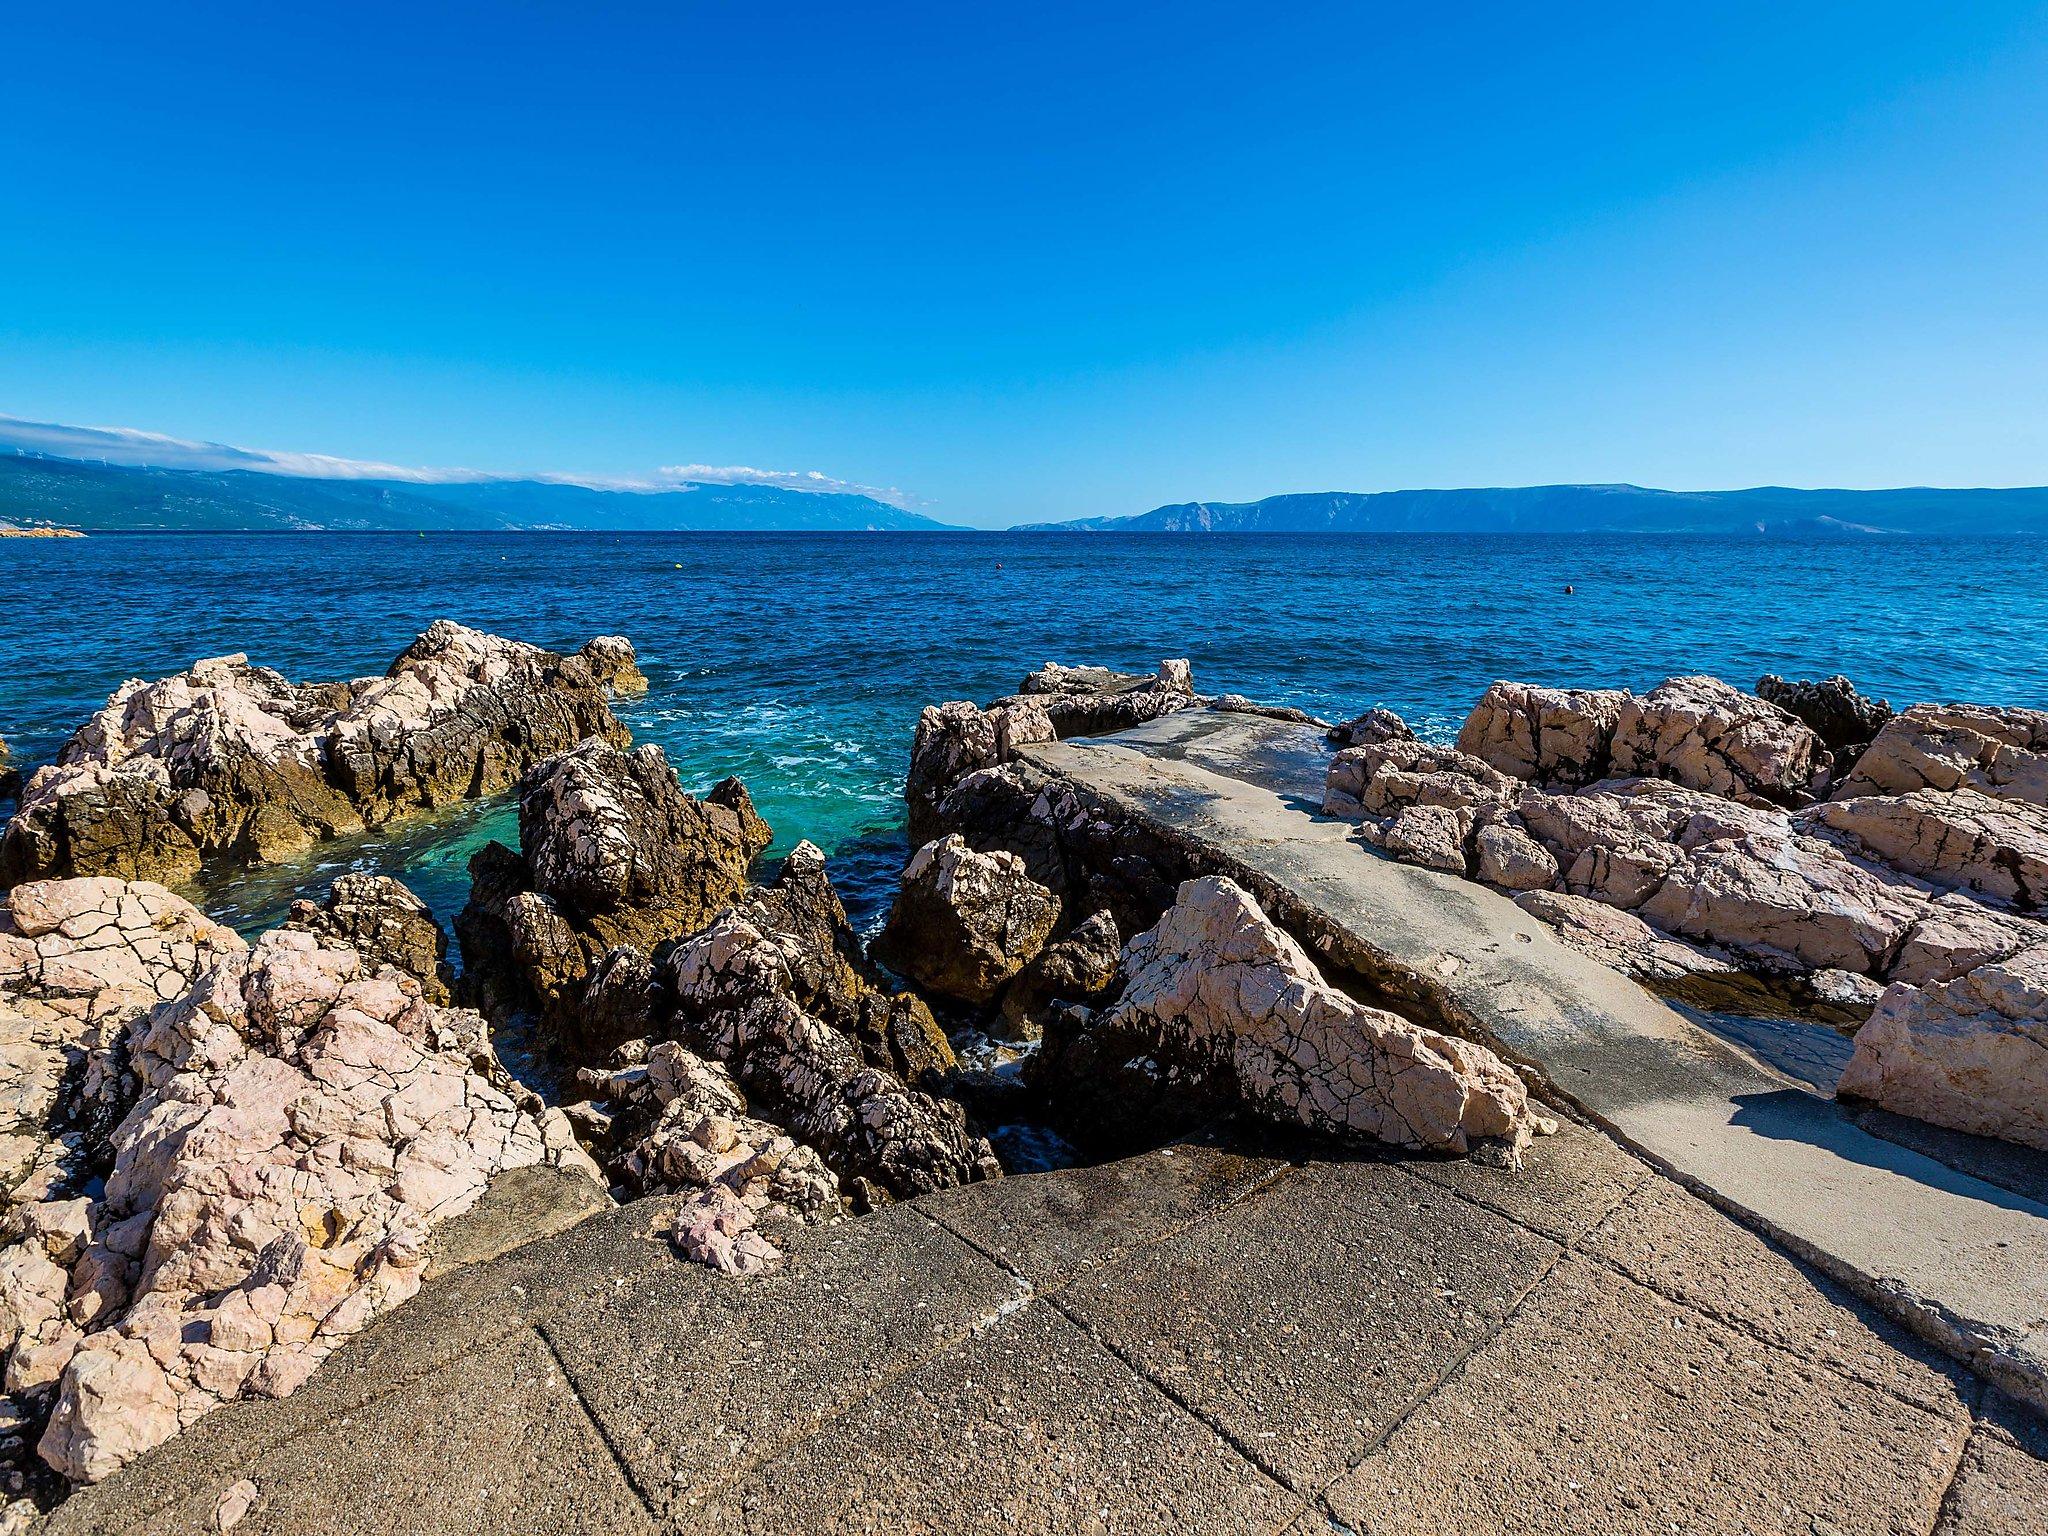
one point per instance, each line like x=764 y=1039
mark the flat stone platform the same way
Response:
x=1961 y=1260
x=1222 y=1336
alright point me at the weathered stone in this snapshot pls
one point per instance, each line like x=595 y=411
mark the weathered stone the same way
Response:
x=1079 y=968
x=1970 y=1054
x=303 y=1120
x=1960 y=839
x=754 y=993
x=1706 y=735
x=1374 y=726
x=1384 y=778
x=234 y=761
x=1560 y=736
x=957 y=739
x=1088 y=701
x=385 y=924
x=963 y=922
x=1841 y=717
x=1432 y=836
x=1997 y=752
x=1219 y=988
x=1623 y=940
x=1958 y=934
x=1506 y=856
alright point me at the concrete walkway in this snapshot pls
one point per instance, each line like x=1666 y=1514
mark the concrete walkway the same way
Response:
x=1960 y=1260
x=1212 y=1338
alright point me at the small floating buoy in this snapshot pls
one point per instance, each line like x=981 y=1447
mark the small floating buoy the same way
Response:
x=1568 y=589
x=679 y=565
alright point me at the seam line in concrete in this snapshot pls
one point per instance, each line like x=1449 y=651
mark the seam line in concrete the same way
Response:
x=1260 y=1186
x=603 y=1434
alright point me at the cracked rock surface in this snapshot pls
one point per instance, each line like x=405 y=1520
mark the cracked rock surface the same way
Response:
x=964 y=923
x=294 y=1123
x=230 y=760
x=1218 y=991
x=1998 y=752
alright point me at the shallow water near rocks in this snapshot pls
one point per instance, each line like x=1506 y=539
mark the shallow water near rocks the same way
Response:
x=800 y=661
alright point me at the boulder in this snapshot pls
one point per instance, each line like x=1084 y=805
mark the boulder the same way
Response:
x=1561 y=736
x=1998 y=752
x=1222 y=993
x=234 y=761
x=1701 y=733
x=1369 y=729
x=955 y=740
x=1507 y=856
x=614 y=855
x=746 y=995
x=301 y=1121
x=963 y=922
x=1970 y=1054
x=1428 y=836
x=1090 y=701
x=1079 y=968
x=1384 y=778
x=385 y=924
x=1842 y=718
x=1624 y=941
x=1959 y=839
x=1957 y=934
x=10 y=776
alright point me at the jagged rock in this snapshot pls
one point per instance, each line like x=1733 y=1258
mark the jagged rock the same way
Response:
x=1374 y=726
x=955 y=740
x=1384 y=778
x=1998 y=752
x=746 y=991
x=234 y=761
x=1958 y=839
x=1623 y=940
x=614 y=855
x=1842 y=718
x=1970 y=1054
x=1561 y=736
x=385 y=924
x=614 y=663
x=1090 y=701
x=1957 y=934
x=964 y=923
x=300 y=1122
x=1217 y=988
x=1430 y=836
x=1703 y=734
x=1238 y=704
x=10 y=776
x=1079 y=968
x=686 y=1129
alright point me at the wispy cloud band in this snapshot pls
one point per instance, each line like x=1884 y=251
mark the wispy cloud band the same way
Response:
x=133 y=448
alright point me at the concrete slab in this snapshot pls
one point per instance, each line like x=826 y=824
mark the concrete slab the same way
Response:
x=1604 y=1409
x=1684 y=1249
x=1029 y=1426
x=1051 y=1227
x=1303 y=1321
x=2002 y=1486
x=696 y=1378
x=1959 y=1260
x=1568 y=1184
x=493 y=1443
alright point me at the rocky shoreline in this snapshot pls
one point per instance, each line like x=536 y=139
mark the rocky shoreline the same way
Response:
x=224 y=1158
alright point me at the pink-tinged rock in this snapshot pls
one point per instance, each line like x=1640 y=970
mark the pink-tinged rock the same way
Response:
x=1958 y=934
x=1217 y=990
x=1970 y=1054
x=118 y=1403
x=1384 y=778
x=1561 y=736
x=963 y=923
x=1998 y=752
x=1960 y=839
x=1701 y=733
x=1428 y=836
x=1622 y=940
x=1507 y=856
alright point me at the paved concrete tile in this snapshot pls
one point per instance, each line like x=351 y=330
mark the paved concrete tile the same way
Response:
x=1028 y=1427
x=2002 y=1487
x=1304 y=1319
x=1683 y=1247
x=695 y=1376
x=1050 y=1227
x=495 y=1443
x=1568 y=1183
x=1604 y=1408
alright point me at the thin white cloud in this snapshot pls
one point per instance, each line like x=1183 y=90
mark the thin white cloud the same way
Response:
x=130 y=447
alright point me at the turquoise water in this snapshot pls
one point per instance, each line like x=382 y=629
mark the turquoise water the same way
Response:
x=800 y=661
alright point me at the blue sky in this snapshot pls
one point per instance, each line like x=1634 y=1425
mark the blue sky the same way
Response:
x=1046 y=261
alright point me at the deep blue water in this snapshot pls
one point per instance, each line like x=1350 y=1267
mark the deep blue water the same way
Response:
x=800 y=661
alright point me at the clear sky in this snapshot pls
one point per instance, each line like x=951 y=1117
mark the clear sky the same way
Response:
x=1047 y=260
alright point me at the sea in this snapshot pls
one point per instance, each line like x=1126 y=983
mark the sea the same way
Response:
x=800 y=661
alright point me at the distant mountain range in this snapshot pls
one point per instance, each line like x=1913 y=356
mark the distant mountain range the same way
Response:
x=38 y=489
x=1597 y=509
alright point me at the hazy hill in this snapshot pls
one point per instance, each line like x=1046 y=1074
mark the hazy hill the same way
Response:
x=105 y=498
x=1597 y=509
